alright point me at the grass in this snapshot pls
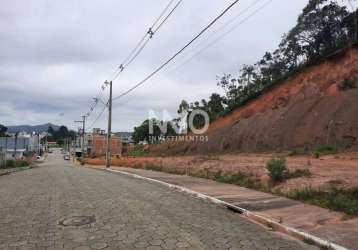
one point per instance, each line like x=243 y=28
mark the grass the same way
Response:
x=238 y=178
x=342 y=200
x=297 y=152
x=316 y=152
x=298 y=173
x=324 y=149
x=138 y=151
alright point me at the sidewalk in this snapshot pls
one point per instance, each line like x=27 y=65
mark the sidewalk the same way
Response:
x=316 y=221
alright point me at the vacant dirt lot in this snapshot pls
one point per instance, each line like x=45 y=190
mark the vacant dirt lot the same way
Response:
x=339 y=170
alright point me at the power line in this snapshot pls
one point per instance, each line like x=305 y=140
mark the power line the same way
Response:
x=160 y=25
x=167 y=17
x=179 y=52
x=227 y=23
x=99 y=116
x=146 y=38
x=138 y=49
x=146 y=34
x=226 y=33
x=97 y=99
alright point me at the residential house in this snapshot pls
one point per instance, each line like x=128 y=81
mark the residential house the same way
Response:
x=17 y=146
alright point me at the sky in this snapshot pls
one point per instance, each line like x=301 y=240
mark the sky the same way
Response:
x=55 y=55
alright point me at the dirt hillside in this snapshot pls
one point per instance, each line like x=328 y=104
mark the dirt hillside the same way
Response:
x=307 y=110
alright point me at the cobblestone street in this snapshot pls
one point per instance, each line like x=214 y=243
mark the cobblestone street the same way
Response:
x=129 y=214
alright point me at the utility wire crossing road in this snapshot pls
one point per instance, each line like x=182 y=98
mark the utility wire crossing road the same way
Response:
x=39 y=209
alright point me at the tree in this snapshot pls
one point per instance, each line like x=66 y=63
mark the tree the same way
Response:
x=322 y=28
x=51 y=131
x=3 y=130
x=60 y=134
x=216 y=106
x=142 y=132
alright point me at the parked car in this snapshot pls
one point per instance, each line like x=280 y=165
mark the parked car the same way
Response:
x=40 y=158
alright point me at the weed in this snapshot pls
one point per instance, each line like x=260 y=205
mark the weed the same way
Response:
x=342 y=200
x=324 y=149
x=316 y=154
x=347 y=84
x=15 y=164
x=299 y=173
x=297 y=152
x=308 y=241
x=153 y=167
x=138 y=151
x=239 y=178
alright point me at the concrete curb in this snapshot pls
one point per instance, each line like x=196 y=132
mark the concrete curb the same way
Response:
x=5 y=173
x=306 y=237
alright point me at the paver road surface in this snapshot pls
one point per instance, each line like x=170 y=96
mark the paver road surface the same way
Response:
x=129 y=214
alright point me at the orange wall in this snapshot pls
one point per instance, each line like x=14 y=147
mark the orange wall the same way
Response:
x=99 y=144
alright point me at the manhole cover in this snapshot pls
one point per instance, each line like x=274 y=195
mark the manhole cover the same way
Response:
x=77 y=221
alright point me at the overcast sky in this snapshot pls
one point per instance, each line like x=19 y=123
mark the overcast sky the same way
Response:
x=54 y=55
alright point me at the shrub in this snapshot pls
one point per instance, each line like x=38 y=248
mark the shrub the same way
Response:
x=153 y=167
x=277 y=169
x=13 y=164
x=316 y=154
x=347 y=84
x=298 y=152
x=327 y=148
x=137 y=152
x=10 y=163
x=324 y=149
x=21 y=163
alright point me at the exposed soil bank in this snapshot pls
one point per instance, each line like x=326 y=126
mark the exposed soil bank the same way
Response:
x=304 y=111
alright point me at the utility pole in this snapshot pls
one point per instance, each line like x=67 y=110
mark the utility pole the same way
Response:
x=15 y=147
x=83 y=137
x=109 y=130
x=38 y=144
x=5 y=151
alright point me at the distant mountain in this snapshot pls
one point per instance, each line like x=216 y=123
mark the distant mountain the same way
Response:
x=30 y=129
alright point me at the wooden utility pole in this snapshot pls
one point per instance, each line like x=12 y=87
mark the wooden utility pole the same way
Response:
x=109 y=130
x=15 y=147
x=83 y=137
x=5 y=151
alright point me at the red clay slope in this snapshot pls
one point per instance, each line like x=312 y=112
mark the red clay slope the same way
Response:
x=304 y=111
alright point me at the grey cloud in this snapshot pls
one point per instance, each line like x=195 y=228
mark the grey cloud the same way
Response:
x=56 y=54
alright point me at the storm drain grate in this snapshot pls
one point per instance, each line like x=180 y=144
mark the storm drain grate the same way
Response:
x=77 y=221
